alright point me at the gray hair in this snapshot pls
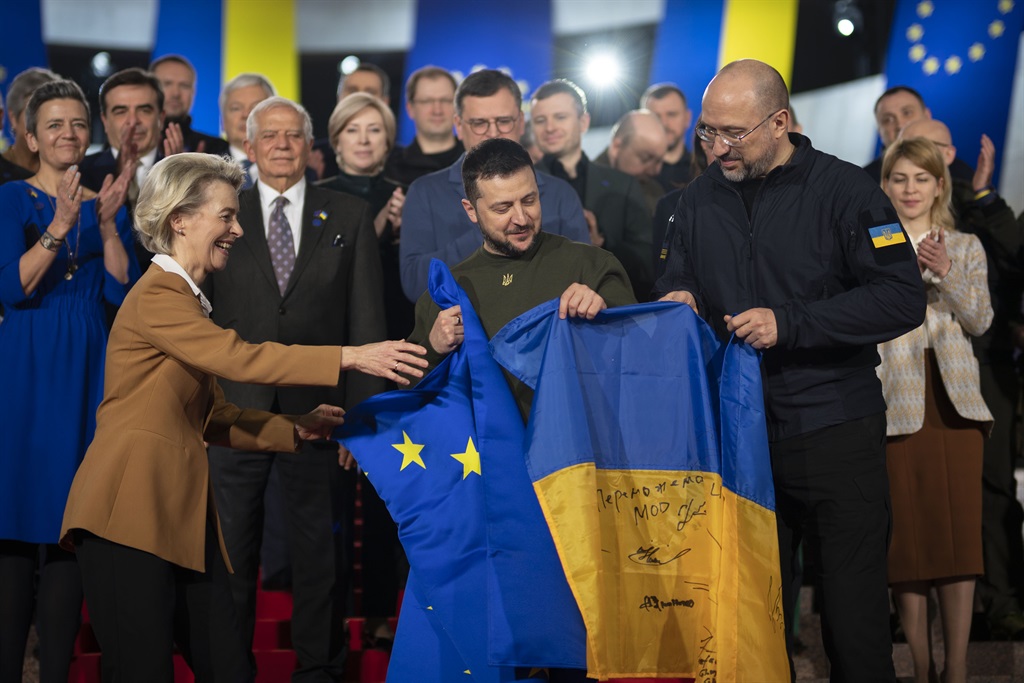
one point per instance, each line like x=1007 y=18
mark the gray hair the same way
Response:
x=244 y=81
x=273 y=103
x=177 y=185
x=22 y=87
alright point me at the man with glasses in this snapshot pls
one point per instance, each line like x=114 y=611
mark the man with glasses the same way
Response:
x=488 y=104
x=776 y=243
x=430 y=103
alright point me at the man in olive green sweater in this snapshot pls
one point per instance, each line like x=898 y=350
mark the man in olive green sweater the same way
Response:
x=519 y=266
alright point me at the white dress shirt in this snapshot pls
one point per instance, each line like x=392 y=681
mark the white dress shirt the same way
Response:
x=171 y=266
x=296 y=195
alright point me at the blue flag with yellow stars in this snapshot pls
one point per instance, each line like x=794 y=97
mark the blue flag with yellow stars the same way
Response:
x=961 y=56
x=447 y=459
x=648 y=451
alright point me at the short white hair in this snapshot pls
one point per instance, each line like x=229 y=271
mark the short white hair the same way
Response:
x=274 y=103
x=244 y=81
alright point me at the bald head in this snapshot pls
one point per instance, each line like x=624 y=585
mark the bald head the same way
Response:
x=753 y=82
x=933 y=130
x=639 y=142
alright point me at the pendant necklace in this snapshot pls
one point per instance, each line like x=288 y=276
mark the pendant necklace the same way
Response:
x=72 y=256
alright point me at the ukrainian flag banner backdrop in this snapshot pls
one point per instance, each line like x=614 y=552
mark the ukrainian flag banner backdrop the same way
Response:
x=648 y=451
x=488 y=593
x=961 y=56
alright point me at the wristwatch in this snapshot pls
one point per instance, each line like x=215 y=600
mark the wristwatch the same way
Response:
x=50 y=242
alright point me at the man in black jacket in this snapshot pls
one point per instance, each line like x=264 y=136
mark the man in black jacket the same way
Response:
x=177 y=77
x=802 y=256
x=613 y=202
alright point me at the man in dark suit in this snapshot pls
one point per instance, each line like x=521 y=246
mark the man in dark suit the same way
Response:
x=307 y=272
x=488 y=104
x=131 y=108
x=612 y=201
x=668 y=102
x=177 y=77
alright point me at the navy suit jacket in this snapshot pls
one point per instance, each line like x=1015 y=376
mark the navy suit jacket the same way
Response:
x=434 y=224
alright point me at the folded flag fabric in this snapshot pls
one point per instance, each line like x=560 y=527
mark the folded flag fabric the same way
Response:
x=648 y=451
x=447 y=459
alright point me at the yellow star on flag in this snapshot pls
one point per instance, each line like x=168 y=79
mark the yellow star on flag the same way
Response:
x=917 y=53
x=976 y=52
x=931 y=66
x=470 y=459
x=953 y=65
x=996 y=28
x=925 y=9
x=410 y=452
x=915 y=33
x=1005 y=6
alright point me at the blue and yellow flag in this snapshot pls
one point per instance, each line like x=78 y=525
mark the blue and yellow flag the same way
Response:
x=648 y=451
x=446 y=457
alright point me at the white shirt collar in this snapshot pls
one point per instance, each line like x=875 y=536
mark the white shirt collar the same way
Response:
x=296 y=195
x=169 y=265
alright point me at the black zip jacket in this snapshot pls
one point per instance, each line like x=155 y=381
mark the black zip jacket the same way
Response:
x=807 y=253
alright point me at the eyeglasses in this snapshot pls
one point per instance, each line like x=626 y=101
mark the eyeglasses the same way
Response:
x=708 y=134
x=504 y=124
x=434 y=101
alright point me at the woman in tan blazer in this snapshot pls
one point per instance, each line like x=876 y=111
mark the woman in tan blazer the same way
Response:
x=937 y=419
x=140 y=513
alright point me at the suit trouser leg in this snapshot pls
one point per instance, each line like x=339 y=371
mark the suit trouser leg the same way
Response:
x=832 y=487
x=1000 y=588
x=311 y=482
x=131 y=600
x=239 y=479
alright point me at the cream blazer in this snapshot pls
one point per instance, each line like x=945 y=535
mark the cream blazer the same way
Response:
x=145 y=480
x=958 y=307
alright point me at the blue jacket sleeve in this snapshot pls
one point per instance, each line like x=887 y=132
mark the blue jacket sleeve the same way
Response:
x=433 y=226
x=113 y=291
x=562 y=212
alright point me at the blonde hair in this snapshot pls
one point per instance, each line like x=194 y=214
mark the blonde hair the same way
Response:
x=346 y=110
x=926 y=155
x=177 y=185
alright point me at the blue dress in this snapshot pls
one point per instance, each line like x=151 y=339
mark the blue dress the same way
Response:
x=52 y=349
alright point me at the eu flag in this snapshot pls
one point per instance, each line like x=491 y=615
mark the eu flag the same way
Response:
x=447 y=459
x=961 y=57
x=648 y=451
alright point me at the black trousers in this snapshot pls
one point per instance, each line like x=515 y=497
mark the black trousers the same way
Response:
x=832 y=492
x=141 y=605
x=317 y=496
x=1001 y=589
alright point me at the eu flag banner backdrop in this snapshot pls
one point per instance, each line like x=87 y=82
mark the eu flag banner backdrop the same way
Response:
x=487 y=591
x=648 y=450
x=961 y=56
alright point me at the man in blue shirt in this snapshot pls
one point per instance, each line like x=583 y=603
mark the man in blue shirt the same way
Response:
x=488 y=104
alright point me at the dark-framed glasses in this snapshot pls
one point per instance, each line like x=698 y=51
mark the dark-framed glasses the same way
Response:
x=504 y=124
x=707 y=134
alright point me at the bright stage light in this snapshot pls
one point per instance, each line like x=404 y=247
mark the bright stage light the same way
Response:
x=603 y=69
x=349 y=64
x=845 y=27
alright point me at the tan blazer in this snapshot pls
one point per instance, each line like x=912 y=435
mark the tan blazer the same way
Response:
x=145 y=479
x=959 y=307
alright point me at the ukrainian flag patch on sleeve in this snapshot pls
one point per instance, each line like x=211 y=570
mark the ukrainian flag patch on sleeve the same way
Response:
x=886 y=235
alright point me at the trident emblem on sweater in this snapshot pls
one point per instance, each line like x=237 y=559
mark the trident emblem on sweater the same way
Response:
x=506 y=279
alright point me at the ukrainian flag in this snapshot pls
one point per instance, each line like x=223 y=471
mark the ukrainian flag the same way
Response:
x=887 y=235
x=648 y=451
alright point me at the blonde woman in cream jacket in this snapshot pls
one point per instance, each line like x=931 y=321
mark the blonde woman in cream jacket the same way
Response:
x=937 y=419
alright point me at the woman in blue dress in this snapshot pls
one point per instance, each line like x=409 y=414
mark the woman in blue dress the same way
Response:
x=64 y=250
